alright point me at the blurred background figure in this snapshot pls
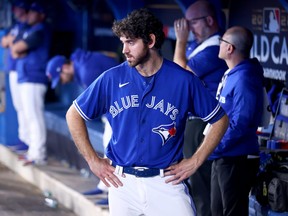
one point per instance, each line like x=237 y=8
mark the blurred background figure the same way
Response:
x=240 y=93
x=32 y=54
x=20 y=12
x=84 y=67
x=200 y=56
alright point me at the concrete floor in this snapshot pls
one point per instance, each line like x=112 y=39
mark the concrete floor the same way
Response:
x=20 y=198
x=22 y=189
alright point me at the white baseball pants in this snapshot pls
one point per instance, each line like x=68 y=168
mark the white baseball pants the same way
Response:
x=32 y=99
x=149 y=197
x=23 y=134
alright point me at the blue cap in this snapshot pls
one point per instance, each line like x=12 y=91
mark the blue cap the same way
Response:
x=76 y=54
x=54 y=68
x=37 y=7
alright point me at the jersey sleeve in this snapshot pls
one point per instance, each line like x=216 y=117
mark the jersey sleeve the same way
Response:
x=91 y=104
x=205 y=105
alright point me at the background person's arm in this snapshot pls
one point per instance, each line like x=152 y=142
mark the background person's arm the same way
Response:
x=19 y=49
x=182 y=33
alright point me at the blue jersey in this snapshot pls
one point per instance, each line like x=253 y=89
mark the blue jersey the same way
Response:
x=241 y=98
x=89 y=65
x=16 y=31
x=204 y=62
x=147 y=115
x=31 y=68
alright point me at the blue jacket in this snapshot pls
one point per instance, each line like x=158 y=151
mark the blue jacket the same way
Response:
x=242 y=99
x=206 y=64
x=89 y=65
x=16 y=31
x=31 y=68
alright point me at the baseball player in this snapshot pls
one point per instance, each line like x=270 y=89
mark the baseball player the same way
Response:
x=146 y=100
x=32 y=52
x=83 y=67
x=20 y=12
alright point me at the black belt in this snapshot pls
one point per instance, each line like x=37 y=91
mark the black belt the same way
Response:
x=140 y=171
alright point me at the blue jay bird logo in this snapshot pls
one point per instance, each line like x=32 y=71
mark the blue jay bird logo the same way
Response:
x=165 y=131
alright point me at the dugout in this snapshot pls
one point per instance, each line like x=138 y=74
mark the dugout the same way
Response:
x=87 y=24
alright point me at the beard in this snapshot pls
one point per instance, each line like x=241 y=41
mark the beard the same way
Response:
x=141 y=58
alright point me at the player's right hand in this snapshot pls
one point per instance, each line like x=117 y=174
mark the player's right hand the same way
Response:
x=105 y=172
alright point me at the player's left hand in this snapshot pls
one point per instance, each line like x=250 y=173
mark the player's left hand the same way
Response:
x=181 y=171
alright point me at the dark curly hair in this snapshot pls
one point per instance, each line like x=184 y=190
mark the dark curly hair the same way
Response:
x=140 y=24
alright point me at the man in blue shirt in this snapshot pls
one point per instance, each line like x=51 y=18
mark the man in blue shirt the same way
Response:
x=240 y=93
x=145 y=169
x=20 y=12
x=84 y=67
x=32 y=52
x=200 y=56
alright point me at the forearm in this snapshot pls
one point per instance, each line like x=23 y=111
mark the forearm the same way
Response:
x=211 y=140
x=187 y=167
x=79 y=133
x=19 y=49
x=4 y=42
x=7 y=41
x=179 y=54
x=99 y=166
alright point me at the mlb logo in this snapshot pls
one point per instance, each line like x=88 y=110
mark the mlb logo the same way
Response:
x=271 y=20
